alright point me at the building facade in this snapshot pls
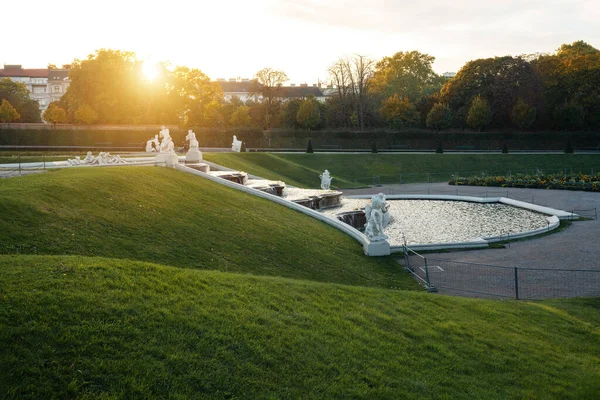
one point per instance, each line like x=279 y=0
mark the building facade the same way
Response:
x=44 y=85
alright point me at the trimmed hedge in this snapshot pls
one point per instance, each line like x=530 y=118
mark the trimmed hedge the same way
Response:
x=579 y=181
x=295 y=139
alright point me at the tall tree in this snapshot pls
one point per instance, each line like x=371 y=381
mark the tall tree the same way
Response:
x=480 y=113
x=439 y=117
x=571 y=76
x=354 y=74
x=8 y=113
x=55 y=114
x=400 y=113
x=197 y=99
x=110 y=82
x=407 y=74
x=501 y=81
x=17 y=95
x=309 y=114
x=523 y=115
x=240 y=117
x=266 y=86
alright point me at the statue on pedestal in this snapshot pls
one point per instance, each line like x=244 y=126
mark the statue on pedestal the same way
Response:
x=325 y=180
x=236 y=145
x=377 y=218
x=193 y=155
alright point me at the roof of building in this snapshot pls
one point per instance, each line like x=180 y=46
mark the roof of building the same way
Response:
x=286 y=91
x=58 y=75
x=235 y=87
x=10 y=71
x=300 y=91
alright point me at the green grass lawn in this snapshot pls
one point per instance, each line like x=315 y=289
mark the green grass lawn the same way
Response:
x=351 y=170
x=168 y=217
x=78 y=327
x=144 y=282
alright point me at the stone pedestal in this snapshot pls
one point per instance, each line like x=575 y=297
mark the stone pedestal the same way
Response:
x=200 y=167
x=168 y=159
x=193 y=156
x=378 y=248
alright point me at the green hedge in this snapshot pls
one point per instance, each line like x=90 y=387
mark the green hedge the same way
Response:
x=257 y=138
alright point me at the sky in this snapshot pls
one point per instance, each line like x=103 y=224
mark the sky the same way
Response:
x=236 y=38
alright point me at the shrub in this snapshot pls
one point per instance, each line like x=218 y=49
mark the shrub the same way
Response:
x=309 y=149
x=504 y=149
x=374 y=148
x=439 y=149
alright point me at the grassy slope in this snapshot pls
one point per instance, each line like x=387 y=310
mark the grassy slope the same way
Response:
x=349 y=169
x=93 y=327
x=168 y=217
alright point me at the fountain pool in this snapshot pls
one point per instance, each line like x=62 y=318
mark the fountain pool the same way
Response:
x=444 y=221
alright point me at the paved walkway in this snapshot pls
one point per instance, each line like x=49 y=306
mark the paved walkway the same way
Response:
x=575 y=248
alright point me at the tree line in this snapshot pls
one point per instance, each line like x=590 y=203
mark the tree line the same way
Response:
x=528 y=92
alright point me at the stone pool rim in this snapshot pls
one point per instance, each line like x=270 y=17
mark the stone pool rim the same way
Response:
x=553 y=218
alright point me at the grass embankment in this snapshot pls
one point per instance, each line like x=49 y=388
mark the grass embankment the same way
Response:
x=168 y=217
x=104 y=328
x=351 y=170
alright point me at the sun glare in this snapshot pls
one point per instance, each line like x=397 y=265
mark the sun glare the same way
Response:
x=149 y=70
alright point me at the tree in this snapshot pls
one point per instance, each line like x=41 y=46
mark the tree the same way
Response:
x=55 y=114
x=407 y=74
x=353 y=79
x=309 y=114
x=197 y=100
x=400 y=113
x=523 y=115
x=17 y=95
x=85 y=115
x=240 y=117
x=110 y=83
x=569 y=116
x=572 y=75
x=480 y=113
x=8 y=113
x=439 y=117
x=266 y=86
x=309 y=148
x=500 y=80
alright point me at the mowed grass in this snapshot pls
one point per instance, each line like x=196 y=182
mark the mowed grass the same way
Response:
x=168 y=217
x=79 y=327
x=350 y=170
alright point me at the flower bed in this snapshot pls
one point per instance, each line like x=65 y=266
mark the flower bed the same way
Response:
x=539 y=181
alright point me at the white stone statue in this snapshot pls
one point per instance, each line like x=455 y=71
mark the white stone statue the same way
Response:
x=101 y=159
x=236 y=145
x=166 y=145
x=325 y=180
x=149 y=144
x=377 y=218
x=191 y=137
x=166 y=155
x=88 y=158
x=193 y=155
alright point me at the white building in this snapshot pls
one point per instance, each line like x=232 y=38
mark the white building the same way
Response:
x=241 y=88
x=44 y=85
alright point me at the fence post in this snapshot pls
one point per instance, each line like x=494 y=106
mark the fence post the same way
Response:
x=516 y=283
x=430 y=288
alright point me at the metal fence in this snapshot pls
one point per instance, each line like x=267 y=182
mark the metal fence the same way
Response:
x=483 y=280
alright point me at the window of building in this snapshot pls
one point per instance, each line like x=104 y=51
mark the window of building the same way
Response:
x=56 y=89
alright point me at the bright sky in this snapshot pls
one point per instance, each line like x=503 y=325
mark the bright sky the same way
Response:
x=236 y=38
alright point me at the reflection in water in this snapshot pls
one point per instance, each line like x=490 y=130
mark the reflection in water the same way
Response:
x=440 y=221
